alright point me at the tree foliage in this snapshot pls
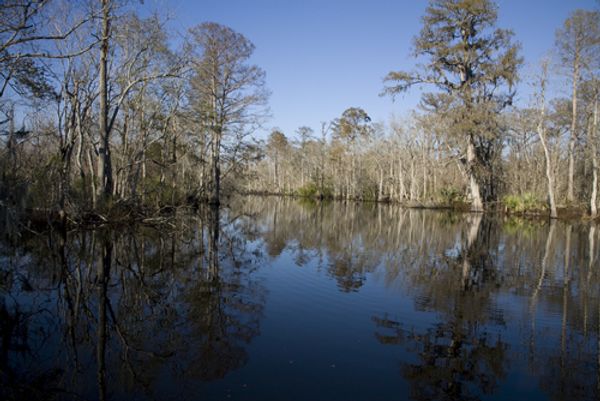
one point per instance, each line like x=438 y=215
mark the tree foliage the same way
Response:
x=473 y=65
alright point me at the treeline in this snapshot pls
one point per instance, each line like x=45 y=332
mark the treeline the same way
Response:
x=467 y=143
x=101 y=106
x=352 y=158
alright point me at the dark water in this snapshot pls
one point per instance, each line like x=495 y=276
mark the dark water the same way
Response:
x=272 y=299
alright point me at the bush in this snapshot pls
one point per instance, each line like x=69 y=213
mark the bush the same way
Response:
x=312 y=191
x=451 y=195
x=522 y=203
x=308 y=191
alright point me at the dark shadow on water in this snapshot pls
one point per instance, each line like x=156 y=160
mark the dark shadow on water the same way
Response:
x=113 y=315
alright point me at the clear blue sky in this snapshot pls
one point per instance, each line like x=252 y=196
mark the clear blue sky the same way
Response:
x=323 y=56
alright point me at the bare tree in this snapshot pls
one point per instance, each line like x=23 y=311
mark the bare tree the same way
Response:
x=25 y=28
x=591 y=96
x=228 y=93
x=541 y=130
x=577 y=44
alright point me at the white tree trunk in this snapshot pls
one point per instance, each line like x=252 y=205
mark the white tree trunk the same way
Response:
x=573 y=137
x=474 y=189
x=541 y=128
x=593 y=138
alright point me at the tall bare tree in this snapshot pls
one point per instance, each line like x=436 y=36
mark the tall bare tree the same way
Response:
x=104 y=160
x=541 y=130
x=228 y=93
x=591 y=96
x=577 y=43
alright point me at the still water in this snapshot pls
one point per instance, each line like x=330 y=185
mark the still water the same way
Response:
x=273 y=299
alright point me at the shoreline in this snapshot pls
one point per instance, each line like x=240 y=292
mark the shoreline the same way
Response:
x=40 y=218
x=564 y=212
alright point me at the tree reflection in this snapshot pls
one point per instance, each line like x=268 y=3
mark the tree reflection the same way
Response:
x=125 y=309
x=103 y=279
x=461 y=269
x=457 y=358
x=224 y=313
x=315 y=229
x=139 y=312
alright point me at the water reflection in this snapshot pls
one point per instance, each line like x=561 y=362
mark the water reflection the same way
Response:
x=508 y=295
x=456 y=307
x=111 y=315
x=457 y=359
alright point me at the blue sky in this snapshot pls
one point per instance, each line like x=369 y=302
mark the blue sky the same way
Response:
x=322 y=57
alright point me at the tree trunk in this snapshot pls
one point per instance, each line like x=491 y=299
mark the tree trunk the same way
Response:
x=549 y=175
x=572 y=138
x=65 y=170
x=9 y=174
x=216 y=170
x=302 y=169
x=392 y=181
x=424 y=167
x=93 y=188
x=401 y=180
x=352 y=191
x=541 y=128
x=79 y=155
x=380 y=191
x=412 y=180
x=276 y=172
x=104 y=161
x=592 y=139
x=474 y=189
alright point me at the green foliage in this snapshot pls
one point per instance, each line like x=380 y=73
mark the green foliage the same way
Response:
x=277 y=142
x=353 y=124
x=308 y=191
x=451 y=195
x=472 y=66
x=525 y=203
x=312 y=191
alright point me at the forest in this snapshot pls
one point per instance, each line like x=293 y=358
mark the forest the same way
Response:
x=107 y=112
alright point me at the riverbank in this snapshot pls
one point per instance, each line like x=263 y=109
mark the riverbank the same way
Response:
x=124 y=213
x=565 y=212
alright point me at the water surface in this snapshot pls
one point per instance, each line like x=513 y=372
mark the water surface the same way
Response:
x=274 y=299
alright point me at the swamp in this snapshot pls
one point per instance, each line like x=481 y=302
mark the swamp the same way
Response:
x=348 y=201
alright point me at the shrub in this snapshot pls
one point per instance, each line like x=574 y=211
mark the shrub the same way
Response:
x=312 y=191
x=451 y=195
x=308 y=191
x=522 y=203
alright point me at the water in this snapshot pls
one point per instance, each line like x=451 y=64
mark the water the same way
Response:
x=274 y=299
